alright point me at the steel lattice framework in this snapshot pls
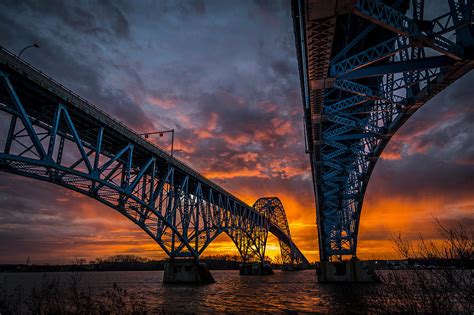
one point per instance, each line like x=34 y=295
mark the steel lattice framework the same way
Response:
x=52 y=134
x=365 y=67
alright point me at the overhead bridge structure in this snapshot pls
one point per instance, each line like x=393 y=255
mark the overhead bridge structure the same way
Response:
x=365 y=67
x=51 y=134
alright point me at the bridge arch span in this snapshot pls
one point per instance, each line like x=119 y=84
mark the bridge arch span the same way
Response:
x=366 y=66
x=35 y=172
x=56 y=136
x=272 y=209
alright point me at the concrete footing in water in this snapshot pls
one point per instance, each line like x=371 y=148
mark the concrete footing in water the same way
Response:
x=187 y=272
x=255 y=269
x=352 y=270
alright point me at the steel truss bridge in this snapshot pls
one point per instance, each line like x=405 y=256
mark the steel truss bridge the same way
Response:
x=51 y=134
x=365 y=67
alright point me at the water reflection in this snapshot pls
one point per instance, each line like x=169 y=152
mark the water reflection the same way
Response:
x=284 y=292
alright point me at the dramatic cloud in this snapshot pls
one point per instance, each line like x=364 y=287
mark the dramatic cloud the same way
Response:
x=224 y=75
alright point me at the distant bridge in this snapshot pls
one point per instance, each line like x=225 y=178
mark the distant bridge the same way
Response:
x=51 y=134
x=365 y=67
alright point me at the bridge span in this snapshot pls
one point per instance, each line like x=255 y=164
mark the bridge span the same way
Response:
x=51 y=134
x=365 y=67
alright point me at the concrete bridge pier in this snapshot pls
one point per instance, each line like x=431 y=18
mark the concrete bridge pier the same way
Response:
x=255 y=269
x=186 y=271
x=352 y=270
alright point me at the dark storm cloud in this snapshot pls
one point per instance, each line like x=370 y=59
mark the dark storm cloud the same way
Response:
x=61 y=55
x=93 y=18
x=421 y=176
x=270 y=5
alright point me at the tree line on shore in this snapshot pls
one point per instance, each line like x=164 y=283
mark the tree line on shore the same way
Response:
x=124 y=262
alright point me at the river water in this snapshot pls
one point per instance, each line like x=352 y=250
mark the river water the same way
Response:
x=284 y=292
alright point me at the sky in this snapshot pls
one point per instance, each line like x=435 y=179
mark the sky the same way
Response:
x=224 y=75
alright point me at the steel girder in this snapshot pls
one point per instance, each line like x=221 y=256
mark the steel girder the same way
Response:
x=365 y=68
x=272 y=210
x=50 y=137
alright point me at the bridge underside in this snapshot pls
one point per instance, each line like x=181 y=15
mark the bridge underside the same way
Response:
x=365 y=67
x=51 y=134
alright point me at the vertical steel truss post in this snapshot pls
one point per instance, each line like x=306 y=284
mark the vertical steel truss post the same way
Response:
x=360 y=84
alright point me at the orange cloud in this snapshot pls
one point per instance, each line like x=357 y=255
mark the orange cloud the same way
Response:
x=233 y=174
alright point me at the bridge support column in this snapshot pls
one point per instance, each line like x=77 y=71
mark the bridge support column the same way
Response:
x=352 y=270
x=255 y=269
x=187 y=271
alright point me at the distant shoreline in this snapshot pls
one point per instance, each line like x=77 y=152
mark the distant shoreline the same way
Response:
x=133 y=266
x=132 y=263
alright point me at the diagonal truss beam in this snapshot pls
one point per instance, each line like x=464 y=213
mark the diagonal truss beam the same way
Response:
x=391 y=19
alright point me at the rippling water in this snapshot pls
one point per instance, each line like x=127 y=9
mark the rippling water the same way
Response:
x=411 y=291
x=284 y=292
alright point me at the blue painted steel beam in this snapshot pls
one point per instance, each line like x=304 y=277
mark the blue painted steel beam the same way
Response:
x=23 y=116
x=384 y=15
x=373 y=85
x=398 y=67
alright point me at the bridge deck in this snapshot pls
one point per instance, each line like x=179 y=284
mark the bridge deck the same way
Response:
x=41 y=95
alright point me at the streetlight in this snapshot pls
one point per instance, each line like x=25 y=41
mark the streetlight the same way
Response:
x=34 y=45
x=161 y=133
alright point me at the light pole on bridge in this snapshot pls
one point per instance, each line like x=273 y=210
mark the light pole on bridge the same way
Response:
x=27 y=47
x=161 y=133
